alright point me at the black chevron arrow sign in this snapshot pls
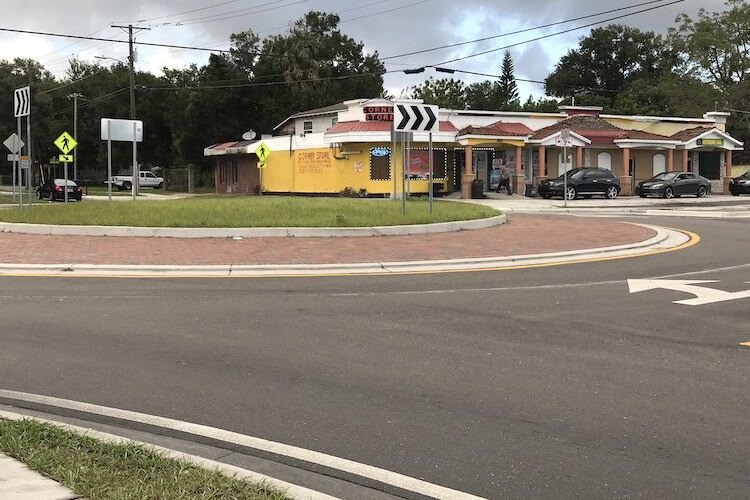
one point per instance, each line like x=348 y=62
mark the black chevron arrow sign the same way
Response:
x=22 y=102
x=415 y=118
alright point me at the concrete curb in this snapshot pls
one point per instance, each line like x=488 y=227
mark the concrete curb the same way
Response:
x=252 y=232
x=297 y=492
x=666 y=239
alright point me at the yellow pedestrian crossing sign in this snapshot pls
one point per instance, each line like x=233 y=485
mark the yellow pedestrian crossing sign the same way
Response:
x=66 y=143
x=261 y=165
x=263 y=152
x=66 y=158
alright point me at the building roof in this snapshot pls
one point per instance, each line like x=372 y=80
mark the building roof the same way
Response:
x=581 y=124
x=375 y=126
x=639 y=135
x=505 y=129
x=690 y=134
x=333 y=108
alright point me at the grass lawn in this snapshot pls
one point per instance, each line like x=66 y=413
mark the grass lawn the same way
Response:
x=104 y=471
x=268 y=211
x=7 y=199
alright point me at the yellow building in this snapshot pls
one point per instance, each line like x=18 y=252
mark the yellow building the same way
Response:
x=351 y=146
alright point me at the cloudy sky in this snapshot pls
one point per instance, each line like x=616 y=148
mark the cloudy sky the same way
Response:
x=391 y=27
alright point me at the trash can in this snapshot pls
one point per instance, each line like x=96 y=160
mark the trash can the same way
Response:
x=437 y=187
x=528 y=191
x=477 y=189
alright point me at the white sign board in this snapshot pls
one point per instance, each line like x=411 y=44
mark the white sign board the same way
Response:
x=22 y=102
x=25 y=163
x=121 y=130
x=14 y=143
x=13 y=157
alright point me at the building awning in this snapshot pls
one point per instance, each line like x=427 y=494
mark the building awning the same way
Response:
x=708 y=138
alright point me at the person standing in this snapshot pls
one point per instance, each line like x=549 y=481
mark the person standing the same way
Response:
x=504 y=177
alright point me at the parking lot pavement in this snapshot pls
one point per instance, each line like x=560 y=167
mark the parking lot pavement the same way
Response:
x=522 y=235
x=623 y=204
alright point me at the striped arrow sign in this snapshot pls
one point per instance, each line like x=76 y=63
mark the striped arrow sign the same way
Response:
x=22 y=102
x=415 y=118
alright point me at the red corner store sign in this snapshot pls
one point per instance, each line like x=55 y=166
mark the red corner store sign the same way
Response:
x=378 y=113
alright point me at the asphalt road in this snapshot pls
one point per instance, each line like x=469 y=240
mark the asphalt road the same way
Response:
x=539 y=383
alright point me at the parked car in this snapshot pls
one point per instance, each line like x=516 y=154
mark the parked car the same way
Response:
x=584 y=182
x=740 y=185
x=671 y=184
x=53 y=189
x=146 y=179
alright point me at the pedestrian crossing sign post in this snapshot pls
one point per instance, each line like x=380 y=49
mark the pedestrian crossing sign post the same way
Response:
x=65 y=143
x=262 y=152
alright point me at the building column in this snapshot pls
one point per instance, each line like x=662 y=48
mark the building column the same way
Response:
x=727 y=170
x=542 y=165
x=579 y=157
x=626 y=181
x=670 y=160
x=468 y=175
x=519 y=182
x=685 y=156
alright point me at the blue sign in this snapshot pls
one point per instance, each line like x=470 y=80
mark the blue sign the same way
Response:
x=379 y=152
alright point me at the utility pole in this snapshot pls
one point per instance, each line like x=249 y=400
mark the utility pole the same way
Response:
x=75 y=96
x=131 y=63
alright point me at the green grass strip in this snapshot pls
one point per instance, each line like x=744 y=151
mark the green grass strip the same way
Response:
x=99 y=470
x=246 y=211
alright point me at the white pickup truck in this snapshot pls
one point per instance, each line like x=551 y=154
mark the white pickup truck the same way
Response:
x=147 y=179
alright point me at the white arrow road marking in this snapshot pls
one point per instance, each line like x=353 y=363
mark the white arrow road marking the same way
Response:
x=703 y=295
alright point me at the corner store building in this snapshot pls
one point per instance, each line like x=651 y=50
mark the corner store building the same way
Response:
x=350 y=145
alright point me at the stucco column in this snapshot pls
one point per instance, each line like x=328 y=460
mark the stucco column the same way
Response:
x=626 y=181
x=579 y=157
x=519 y=182
x=468 y=176
x=670 y=160
x=727 y=170
x=542 y=164
x=685 y=156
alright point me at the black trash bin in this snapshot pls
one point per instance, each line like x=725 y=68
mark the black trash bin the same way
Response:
x=477 y=189
x=437 y=188
x=528 y=191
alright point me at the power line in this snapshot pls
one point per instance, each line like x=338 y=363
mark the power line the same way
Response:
x=220 y=4
x=72 y=82
x=518 y=32
x=550 y=35
x=238 y=13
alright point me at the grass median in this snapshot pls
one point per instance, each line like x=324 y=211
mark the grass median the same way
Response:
x=269 y=211
x=99 y=470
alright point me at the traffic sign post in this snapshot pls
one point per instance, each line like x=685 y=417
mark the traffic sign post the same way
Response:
x=410 y=118
x=262 y=152
x=66 y=143
x=123 y=131
x=14 y=144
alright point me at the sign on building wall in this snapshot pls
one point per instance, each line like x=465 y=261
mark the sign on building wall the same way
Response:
x=313 y=162
x=710 y=142
x=378 y=113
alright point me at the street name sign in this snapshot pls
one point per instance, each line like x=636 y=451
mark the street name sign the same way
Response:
x=65 y=143
x=13 y=157
x=14 y=143
x=22 y=102
x=415 y=118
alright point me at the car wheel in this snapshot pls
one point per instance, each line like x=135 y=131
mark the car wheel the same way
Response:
x=160 y=186
x=668 y=193
x=734 y=193
x=701 y=192
x=570 y=193
x=546 y=196
x=642 y=195
x=127 y=186
x=611 y=193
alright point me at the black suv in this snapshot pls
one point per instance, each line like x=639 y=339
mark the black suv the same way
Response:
x=582 y=182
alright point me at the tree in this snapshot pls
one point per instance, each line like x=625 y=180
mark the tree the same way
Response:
x=483 y=95
x=507 y=89
x=444 y=92
x=607 y=62
x=717 y=45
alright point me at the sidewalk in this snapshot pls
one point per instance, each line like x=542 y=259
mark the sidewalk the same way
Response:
x=18 y=482
x=522 y=235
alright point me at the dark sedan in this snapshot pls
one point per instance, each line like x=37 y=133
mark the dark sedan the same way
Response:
x=671 y=184
x=740 y=185
x=584 y=182
x=53 y=190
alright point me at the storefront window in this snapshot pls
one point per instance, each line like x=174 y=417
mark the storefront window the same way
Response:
x=419 y=167
x=380 y=164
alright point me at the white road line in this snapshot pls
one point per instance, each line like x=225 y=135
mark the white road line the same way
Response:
x=341 y=464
